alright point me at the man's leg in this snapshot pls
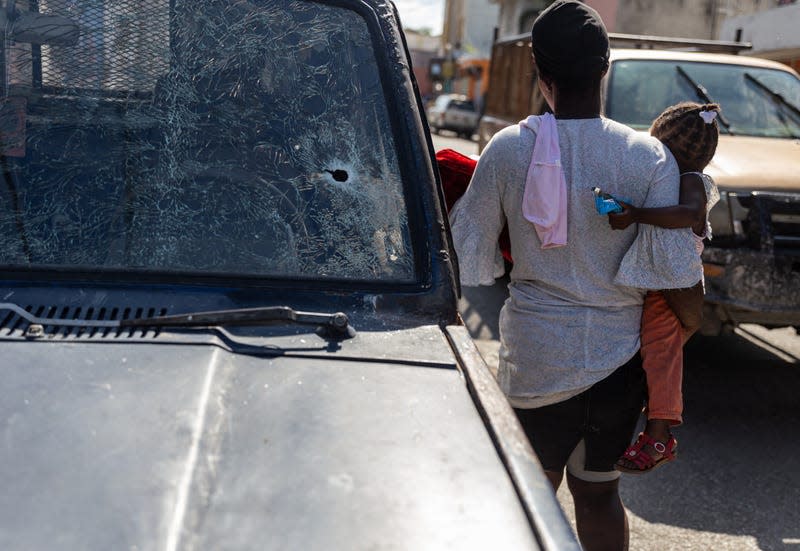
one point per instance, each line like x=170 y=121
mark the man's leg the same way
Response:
x=599 y=514
x=614 y=406
x=553 y=432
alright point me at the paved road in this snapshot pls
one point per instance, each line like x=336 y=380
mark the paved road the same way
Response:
x=736 y=485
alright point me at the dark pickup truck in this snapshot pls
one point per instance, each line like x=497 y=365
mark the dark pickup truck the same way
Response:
x=228 y=297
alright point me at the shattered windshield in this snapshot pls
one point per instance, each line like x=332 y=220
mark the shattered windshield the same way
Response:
x=243 y=137
x=641 y=89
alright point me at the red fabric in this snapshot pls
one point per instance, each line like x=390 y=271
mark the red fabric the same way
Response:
x=455 y=170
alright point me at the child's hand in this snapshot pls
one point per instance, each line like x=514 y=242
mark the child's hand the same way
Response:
x=621 y=220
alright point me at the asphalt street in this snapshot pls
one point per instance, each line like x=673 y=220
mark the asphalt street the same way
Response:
x=736 y=483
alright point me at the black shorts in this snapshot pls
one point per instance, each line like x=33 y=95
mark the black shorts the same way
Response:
x=603 y=416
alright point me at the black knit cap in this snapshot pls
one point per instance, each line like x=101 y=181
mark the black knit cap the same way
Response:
x=570 y=40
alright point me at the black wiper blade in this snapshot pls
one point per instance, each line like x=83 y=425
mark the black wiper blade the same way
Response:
x=702 y=94
x=776 y=97
x=335 y=325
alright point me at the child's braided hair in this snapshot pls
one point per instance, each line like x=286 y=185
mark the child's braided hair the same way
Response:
x=686 y=133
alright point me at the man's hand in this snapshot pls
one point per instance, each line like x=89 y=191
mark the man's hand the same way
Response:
x=621 y=220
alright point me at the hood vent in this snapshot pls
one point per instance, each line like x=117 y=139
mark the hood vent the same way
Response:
x=71 y=322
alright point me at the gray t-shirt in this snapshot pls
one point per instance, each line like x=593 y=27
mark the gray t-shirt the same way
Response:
x=566 y=324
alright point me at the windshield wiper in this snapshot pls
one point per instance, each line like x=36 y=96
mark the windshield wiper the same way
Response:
x=335 y=326
x=776 y=97
x=702 y=93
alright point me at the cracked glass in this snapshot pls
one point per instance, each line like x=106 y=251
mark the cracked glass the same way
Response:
x=205 y=137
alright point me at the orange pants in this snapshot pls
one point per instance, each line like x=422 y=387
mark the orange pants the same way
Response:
x=662 y=358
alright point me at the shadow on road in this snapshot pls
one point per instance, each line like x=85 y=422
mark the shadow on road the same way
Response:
x=738 y=470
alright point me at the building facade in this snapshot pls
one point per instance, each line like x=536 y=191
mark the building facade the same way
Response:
x=466 y=46
x=773 y=33
x=468 y=30
x=423 y=49
x=700 y=19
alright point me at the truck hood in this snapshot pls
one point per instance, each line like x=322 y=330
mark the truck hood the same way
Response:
x=762 y=164
x=165 y=446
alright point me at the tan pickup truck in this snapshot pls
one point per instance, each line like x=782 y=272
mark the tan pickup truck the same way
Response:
x=752 y=266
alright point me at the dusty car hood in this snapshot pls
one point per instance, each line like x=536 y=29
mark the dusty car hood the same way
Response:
x=164 y=446
x=765 y=164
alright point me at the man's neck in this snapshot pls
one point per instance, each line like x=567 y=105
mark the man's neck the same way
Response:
x=578 y=107
x=577 y=114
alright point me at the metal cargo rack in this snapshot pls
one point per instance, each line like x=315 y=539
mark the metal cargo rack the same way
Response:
x=641 y=41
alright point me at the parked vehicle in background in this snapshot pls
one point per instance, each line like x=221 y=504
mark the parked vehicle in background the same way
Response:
x=454 y=112
x=228 y=311
x=752 y=265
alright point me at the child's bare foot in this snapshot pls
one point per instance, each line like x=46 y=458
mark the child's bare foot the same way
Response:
x=655 y=446
x=658 y=429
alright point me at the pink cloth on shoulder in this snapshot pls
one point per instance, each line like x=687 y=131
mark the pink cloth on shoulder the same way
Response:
x=544 y=201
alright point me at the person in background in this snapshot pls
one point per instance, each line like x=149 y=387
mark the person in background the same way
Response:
x=691 y=133
x=569 y=331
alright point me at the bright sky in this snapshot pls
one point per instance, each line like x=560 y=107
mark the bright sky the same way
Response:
x=418 y=14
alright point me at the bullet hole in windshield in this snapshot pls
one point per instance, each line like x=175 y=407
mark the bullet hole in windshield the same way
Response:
x=339 y=175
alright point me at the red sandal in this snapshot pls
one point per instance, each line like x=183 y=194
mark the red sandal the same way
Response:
x=642 y=459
